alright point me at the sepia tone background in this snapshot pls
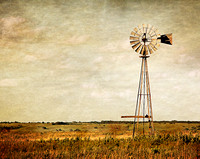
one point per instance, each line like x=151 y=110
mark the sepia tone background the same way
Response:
x=71 y=60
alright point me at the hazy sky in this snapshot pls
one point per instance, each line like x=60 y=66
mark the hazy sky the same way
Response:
x=70 y=60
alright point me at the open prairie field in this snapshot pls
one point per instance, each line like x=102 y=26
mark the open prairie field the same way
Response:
x=98 y=140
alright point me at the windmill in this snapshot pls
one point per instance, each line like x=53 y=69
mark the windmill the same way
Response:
x=145 y=40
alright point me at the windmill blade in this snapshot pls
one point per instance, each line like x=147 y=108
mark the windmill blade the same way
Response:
x=142 y=50
x=166 y=39
x=150 y=50
x=134 y=42
x=153 y=46
x=138 y=49
x=143 y=26
x=140 y=29
x=157 y=45
x=148 y=28
x=135 y=34
x=150 y=31
x=153 y=41
x=145 y=50
x=136 y=30
x=134 y=38
x=156 y=31
x=136 y=45
x=153 y=35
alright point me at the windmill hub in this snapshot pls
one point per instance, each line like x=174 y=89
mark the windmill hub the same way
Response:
x=145 y=40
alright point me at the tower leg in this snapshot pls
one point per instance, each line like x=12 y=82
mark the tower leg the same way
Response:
x=149 y=103
x=138 y=103
x=143 y=93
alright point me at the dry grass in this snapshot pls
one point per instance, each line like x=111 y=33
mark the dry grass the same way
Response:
x=87 y=140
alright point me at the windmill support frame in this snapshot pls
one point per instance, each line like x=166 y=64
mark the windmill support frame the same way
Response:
x=145 y=40
x=143 y=109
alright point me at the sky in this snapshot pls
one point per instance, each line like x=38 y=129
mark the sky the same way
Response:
x=70 y=60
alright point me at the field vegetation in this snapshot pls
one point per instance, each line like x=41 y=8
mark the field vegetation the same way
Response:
x=98 y=140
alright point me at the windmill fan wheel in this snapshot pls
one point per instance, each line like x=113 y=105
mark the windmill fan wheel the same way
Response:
x=145 y=40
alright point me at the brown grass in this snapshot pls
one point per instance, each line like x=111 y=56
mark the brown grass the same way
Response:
x=87 y=140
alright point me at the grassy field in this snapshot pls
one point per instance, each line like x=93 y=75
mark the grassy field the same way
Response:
x=98 y=140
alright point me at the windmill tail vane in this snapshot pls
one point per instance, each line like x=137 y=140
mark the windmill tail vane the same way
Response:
x=145 y=40
x=166 y=39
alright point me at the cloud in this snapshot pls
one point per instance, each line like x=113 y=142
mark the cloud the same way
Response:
x=194 y=73
x=11 y=27
x=76 y=39
x=17 y=29
x=29 y=58
x=10 y=23
x=8 y=83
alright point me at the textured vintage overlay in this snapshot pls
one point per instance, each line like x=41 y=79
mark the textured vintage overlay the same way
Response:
x=66 y=60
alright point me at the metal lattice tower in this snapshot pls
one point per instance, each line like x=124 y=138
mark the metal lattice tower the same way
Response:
x=145 y=40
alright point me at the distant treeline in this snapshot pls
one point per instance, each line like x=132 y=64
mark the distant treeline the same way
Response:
x=9 y=127
x=102 y=122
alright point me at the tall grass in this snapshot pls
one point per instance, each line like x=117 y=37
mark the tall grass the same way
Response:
x=21 y=144
x=161 y=146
